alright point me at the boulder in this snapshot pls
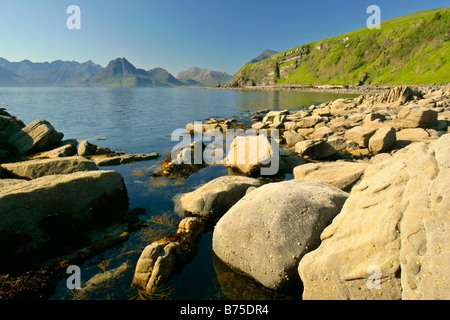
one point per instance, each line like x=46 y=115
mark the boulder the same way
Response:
x=8 y=126
x=88 y=149
x=309 y=122
x=66 y=150
x=390 y=240
x=252 y=155
x=360 y=135
x=414 y=116
x=217 y=196
x=53 y=211
x=39 y=135
x=413 y=134
x=322 y=132
x=34 y=169
x=342 y=175
x=320 y=148
x=382 y=140
x=266 y=233
x=292 y=138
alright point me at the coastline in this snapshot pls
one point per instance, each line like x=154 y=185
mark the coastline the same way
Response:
x=352 y=89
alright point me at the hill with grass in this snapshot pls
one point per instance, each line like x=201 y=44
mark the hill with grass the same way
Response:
x=411 y=49
x=195 y=76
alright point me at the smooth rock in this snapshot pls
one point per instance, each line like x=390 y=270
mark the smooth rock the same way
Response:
x=361 y=135
x=342 y=175
x=217 y=196
x=390 y=240
x=413 y=116
x=39 y=135
x=266 y=233
x=34 y=169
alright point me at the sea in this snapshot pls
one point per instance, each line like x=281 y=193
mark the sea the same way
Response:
x=142 y=120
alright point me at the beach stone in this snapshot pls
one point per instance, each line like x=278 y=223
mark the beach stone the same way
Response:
x=275 y=117
x=267 y=232
x=360 y=135
x=395 y=224
x=217 y=196
x=34 y=169
x=382 y=140
x=292 y=138
x=322 y=132
x=413 y=134
x=309 y=122
x=66 y=150
x=39 y=135
x=252 y=154
x=342 y=175
x=88 y=149
x=44 y=211
x=414 y=116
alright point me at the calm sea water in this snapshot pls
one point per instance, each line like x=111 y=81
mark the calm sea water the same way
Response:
x=139 y=120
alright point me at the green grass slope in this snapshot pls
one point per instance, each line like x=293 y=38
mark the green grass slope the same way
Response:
x=411 y=49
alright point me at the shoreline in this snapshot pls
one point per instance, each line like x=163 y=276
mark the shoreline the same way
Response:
x=351 y=89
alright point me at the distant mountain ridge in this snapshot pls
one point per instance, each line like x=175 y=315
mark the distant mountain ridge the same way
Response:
x=56 y=73
x=118 y=73
x=196 y=76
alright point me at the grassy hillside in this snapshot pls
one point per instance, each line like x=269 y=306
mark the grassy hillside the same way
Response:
x=409 y=49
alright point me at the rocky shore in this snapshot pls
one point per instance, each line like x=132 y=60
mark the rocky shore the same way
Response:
x=56 y=206
x=364 y=217
x=357 y=210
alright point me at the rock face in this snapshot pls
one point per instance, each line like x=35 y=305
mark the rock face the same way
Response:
x=38 y=168
x=39 y=135
x=390 y=239
x=342 y=175
x=265 y=234
x=217 y=196
x=46 y=210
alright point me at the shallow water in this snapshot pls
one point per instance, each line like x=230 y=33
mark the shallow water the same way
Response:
x=139 y=120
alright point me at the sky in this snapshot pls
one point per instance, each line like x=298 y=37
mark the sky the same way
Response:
x=220 y=35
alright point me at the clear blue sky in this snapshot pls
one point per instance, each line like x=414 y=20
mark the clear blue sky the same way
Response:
x=219 y=35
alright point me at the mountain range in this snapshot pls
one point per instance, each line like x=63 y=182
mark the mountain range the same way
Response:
x=410 y=49
x=118 y=73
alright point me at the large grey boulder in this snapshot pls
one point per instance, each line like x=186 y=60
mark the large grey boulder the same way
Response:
x=390 y=241
x=57 y=208
x=217 y=196
x=266 y=233
x=38 y=168
x=39 y=135
x=342 y=175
